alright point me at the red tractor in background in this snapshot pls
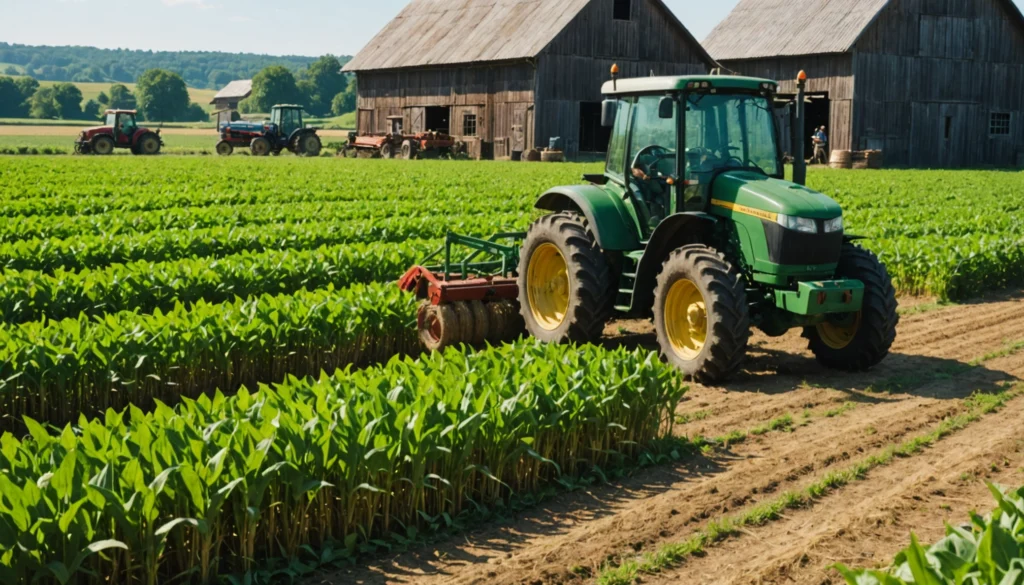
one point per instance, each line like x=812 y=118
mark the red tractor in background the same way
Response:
x=121 y=131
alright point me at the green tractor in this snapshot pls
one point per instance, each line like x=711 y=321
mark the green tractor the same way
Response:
x=691 y=221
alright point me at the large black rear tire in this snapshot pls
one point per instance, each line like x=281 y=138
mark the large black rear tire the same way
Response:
x=701 y=314
x=259 y=147
x=148 y=145
x=564 y=291
x=855 y=342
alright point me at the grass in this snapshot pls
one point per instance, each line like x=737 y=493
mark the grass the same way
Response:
x=846 y=407
x=671 y=554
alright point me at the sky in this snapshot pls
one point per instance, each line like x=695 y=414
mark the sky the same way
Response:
x=275 y=27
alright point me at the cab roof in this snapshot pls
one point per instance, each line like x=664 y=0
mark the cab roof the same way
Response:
x=288 y=107
x=108 y=112
x=639 y=85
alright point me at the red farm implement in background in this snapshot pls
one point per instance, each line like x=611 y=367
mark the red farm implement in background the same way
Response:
x=474 y=301
x=406 y=146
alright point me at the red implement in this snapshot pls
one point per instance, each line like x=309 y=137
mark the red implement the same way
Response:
x=438 y=291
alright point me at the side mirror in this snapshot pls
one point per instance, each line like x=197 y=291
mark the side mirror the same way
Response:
x=609 y=111
x=666 y=108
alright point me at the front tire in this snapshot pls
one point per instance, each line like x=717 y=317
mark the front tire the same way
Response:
x=308 y=145
x=701 y=314
x=259 y=147
x=224 y=148
x=103 y=145
x=855 y=342
x=564 y=290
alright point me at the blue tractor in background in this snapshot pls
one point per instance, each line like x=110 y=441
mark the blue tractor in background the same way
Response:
x=284 y=131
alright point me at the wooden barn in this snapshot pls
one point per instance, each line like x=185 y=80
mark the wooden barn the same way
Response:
x=505 y=76
x=932 y=83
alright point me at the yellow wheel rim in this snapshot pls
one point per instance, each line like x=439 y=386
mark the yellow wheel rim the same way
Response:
x=548 y=286
x=686 y=319
x=840 y=335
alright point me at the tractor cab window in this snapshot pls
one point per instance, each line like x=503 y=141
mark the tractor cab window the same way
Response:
x=111 y=120
x=617 y=143
x=729 y=131
x=652 y=157
x=288 y=120
x=126 y=124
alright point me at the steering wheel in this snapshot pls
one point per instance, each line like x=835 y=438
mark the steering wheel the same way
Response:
x=657 y=151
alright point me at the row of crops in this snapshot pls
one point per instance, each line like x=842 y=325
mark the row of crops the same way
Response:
x=988 y=551
x=138 y=296
x=220 y=485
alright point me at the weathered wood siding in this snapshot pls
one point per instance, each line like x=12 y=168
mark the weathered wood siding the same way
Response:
x=930 y=73
x=573 y=67
x=831 y=74
x=495 y=93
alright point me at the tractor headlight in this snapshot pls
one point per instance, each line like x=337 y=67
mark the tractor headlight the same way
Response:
x=800 y=224
x=834 y=225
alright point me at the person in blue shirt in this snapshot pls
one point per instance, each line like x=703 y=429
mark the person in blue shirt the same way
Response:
x=820 y=147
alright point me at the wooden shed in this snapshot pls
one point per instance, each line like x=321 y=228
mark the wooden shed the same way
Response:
x=233 y=93
x=505 y=76
x=932 y=83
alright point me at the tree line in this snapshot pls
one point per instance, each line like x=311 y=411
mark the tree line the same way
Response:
x=199 y=69
x=162 y=95
x=159 y=95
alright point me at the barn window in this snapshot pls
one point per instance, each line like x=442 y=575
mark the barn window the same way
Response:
x=999 y=124
x=469 y=125
x=623 y=10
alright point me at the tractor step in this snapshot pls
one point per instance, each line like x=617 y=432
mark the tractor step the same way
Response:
x=627 y=284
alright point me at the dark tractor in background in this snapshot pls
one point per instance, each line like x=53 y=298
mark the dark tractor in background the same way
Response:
x=284 y=131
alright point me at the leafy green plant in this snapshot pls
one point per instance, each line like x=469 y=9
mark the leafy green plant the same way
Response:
x=219 y=485
x=990 y=551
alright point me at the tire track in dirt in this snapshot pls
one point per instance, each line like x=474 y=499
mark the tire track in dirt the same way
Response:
x=868 y=523
x=584 y=529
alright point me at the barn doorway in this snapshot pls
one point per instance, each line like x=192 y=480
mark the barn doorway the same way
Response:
x=438 y=119
x=593 y=136
x=817 y=112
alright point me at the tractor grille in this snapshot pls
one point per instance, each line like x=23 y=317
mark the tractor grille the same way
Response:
x=789 y=247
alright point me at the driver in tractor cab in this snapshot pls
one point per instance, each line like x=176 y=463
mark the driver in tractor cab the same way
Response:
x=127 y=127
x=654 y=158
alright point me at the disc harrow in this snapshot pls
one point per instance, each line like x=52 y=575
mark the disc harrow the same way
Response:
x=473 y=302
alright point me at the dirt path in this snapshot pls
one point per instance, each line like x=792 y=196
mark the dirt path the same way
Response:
x=836 y=418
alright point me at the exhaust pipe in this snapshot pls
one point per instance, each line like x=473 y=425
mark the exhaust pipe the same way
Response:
x=799 y=162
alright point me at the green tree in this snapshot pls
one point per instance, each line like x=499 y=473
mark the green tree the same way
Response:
x=121 y=98
x=274 y=85
x=219 y=78
x=12 y=70
x=103 y=99
x=345 y=101
x=321 y=81
x=27 y=86
x=42 y=105
x=195 y=113
x=161 y=95
x=68 y=99
x=91 y=110
x=11 y=99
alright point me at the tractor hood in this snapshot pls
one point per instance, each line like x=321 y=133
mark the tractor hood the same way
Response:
x=759 y=192
x=88 y=133
x=246 y=126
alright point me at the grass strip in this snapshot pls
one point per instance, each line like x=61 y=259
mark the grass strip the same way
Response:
x=671 y=554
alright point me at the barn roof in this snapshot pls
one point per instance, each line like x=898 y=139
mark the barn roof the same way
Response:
x=785 y=28
x=236 y=89
x=459 y=32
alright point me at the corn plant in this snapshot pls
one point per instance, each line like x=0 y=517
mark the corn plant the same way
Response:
x=55 y=370
x=218 y=485
x=990 y=551
x=147 y=286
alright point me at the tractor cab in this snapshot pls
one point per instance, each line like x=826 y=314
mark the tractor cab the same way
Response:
x=672 y=137
x=287 y=118
x=123 y=125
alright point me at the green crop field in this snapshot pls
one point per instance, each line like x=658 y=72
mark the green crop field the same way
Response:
x=205 y=297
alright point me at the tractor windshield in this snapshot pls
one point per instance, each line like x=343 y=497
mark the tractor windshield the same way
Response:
x=730 y=131
x=111 y=120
